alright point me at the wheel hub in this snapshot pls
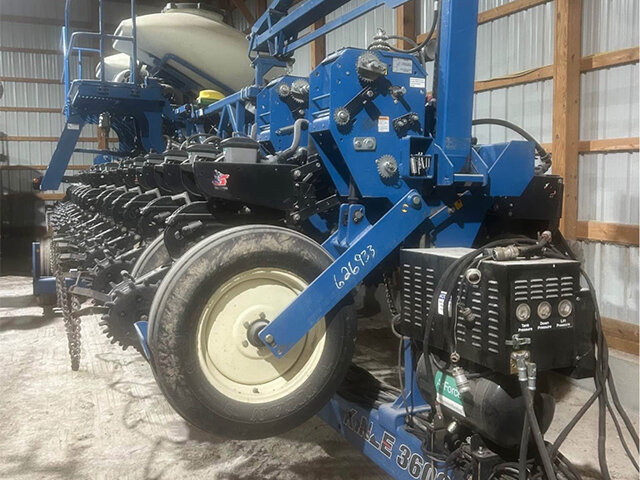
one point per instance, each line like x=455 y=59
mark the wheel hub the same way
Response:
x=233 y=358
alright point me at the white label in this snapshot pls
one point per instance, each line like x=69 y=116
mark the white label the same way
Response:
x=441 y=298
x=417 y=82
x=383 y=124
x=73 y=126
x=402 y=65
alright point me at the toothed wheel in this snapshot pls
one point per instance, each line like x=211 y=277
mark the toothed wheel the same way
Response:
x=369 y=67
x=387 y=167
x=108 y=272
x=300 y=91
x=130 y=303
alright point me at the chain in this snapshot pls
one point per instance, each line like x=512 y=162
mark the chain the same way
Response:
x=388 y=292
x=71 y=324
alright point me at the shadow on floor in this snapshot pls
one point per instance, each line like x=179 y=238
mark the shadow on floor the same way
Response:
x=26 y=322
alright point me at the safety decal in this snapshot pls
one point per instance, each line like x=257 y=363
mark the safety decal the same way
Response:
x=383 y=124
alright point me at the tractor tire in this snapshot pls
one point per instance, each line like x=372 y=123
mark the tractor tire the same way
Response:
x=202 y=334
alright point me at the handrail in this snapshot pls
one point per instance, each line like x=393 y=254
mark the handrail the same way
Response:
x=70 y=40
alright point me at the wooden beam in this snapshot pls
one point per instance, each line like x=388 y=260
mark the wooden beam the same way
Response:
x=621 y=335
x=50 y=196
x=31 y=109
x=49 y=81
x=318 y=46
x=42 y=21
x=615 y=58
x=43 y=51
x=244 y=10
x=406 y=22
x=566 y=107
x=17 y=138
x=610 y=145
x=261 y=7
x=499 y=12
x=620 y=233
x=527 y=76
x=508 y=9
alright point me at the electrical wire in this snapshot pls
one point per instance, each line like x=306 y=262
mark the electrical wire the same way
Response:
x=418 y=46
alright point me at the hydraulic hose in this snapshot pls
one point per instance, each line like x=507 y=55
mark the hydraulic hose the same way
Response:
x=537 y=434
x=524 y=447
x=545 y=157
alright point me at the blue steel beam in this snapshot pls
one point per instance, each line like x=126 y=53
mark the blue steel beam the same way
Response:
x=364 y=253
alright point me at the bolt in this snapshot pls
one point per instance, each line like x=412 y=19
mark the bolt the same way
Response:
x=245 y=344
x=297 y=174
x=343 y=115
x=246 y=324
x=269 y=339
x=296 y=217
x=255 y=390
x=370 y=93
x=368 y=142
x=416 y=200
x=358 y=143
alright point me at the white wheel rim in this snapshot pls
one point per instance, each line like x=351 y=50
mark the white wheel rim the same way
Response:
x=233 y=365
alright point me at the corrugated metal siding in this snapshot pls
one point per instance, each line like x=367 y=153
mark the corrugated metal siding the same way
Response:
x=609 y=25
x=609 y=103
x=608 y=183
x=18 y=94
x=48 y=9
x=361 y=31
x=614 y=272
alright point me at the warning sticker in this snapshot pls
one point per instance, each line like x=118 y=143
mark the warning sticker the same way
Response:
x=447 y=393
x=383 y=124
x=402 y=65
x=417 y=82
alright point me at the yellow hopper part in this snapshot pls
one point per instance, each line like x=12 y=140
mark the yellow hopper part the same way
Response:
x=207 y=97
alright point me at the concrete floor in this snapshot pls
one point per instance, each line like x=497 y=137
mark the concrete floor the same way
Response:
x=109 y=420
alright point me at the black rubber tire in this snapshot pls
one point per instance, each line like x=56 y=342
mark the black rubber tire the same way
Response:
x=154 y=256
x=174 y=320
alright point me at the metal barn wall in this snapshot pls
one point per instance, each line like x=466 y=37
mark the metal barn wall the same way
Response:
x=39 y=28
x=608 y=182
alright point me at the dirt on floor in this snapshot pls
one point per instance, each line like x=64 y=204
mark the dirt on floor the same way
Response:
x=109 y=420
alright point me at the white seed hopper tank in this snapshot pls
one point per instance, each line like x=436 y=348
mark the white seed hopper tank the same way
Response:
x=116 y=67
x=196 y=36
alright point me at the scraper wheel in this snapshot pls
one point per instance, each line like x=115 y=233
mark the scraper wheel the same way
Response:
x=203 y=328
x=154 y=256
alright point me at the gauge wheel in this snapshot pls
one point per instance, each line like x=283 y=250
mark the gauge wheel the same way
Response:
x=154 y=256
x=204 y=321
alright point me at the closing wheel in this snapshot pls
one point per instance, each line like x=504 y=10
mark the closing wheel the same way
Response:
x=154 y=256
x=204 y=325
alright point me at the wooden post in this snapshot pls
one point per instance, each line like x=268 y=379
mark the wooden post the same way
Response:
x=566 y=106
x=318 y=46
x=406 y=22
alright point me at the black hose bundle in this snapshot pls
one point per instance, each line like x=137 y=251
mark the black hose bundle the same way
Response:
x=553 y=462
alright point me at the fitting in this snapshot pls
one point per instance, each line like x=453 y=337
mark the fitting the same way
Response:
x=461 y=380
